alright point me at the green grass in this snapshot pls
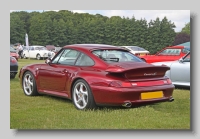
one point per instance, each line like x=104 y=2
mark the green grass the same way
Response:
x=48 y=112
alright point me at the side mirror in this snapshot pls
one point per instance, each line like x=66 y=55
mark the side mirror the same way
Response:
x=181 y=60
x=48 y=61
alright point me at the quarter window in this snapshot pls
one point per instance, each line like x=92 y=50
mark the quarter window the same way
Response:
x=84 y=60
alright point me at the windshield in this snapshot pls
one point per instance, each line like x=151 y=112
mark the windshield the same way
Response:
x=12 y=49
x=110 y=56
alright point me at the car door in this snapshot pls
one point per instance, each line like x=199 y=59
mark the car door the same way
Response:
x=180 y=71
x=31 y=52
x=53 y=77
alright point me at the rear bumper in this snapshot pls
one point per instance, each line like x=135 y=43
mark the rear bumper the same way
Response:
x=118 y=96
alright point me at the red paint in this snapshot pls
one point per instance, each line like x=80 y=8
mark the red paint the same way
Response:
x=111 y=84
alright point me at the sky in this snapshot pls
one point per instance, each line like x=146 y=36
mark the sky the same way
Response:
x=178 y=17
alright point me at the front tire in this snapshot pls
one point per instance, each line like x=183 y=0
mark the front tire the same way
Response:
x=29 y=84
x=82 y=95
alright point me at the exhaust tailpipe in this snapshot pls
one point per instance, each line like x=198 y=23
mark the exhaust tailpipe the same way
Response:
x=127 y=104
x=171 y=99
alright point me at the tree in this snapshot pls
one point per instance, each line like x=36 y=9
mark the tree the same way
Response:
x=186 y=29
x=181 y=38
x=17 y=31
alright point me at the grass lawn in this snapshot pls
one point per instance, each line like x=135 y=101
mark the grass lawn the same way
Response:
x=48 y=112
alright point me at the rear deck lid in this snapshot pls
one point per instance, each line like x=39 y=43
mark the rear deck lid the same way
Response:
x=137 y=70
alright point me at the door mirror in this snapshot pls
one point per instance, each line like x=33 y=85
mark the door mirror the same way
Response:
x=181 y=60
x=48 y=61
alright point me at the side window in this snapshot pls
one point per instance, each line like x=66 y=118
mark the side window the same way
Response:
x=185 y=51
x=67 y=57
x=31 y=48
x=171 y=52
x=84 y=60
x=55 y=60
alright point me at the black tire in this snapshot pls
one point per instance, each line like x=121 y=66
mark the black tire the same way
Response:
x=12 y=75
x=24 y=56
x=82 y=95
x=29 y=84
x=38 y=57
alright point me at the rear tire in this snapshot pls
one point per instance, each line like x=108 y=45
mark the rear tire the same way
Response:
x=38 y=57
x=82 y=95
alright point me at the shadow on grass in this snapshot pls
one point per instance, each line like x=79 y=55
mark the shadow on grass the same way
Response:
x=182 y=87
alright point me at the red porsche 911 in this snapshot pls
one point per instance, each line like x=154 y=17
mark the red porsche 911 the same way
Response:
x=94 y=75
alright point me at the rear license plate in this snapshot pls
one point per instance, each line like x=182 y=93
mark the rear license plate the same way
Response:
x=151 y=95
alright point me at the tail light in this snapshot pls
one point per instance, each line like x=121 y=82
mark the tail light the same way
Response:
x=120 y=84
x=139 y=84
x=13 y=60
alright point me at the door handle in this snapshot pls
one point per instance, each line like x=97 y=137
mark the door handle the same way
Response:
x=64 y=71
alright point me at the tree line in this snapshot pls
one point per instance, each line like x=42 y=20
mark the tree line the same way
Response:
x=65 y=27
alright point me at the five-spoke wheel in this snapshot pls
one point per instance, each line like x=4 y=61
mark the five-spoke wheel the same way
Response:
x=82 y=96
x=29 y=85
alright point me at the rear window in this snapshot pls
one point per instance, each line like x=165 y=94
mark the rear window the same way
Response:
x=110 y=56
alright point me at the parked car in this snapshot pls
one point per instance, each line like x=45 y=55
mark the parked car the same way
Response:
x=13 y=67
x=136 y=50
x=171 y=53
x=14 y=53
x=50 y=47
x=179 y=72
x=38 y=52
x=93 y=75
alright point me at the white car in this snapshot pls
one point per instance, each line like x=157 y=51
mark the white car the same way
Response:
x=179 y=72
x=136 y=50
x=38 y=52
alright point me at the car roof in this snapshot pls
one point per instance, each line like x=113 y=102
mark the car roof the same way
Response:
x=92 y=46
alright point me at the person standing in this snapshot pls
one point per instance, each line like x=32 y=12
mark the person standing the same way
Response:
x=20 y=50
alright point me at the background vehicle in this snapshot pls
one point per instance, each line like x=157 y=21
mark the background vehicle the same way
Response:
x=14 y=53
x=179 y=72
x=95 y=75
x=171 y=53
x=50 y=47
x=38 y=52
x=13 y=67
x=136 y=50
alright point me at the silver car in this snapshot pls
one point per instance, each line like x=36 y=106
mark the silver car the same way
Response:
x=179 y=72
